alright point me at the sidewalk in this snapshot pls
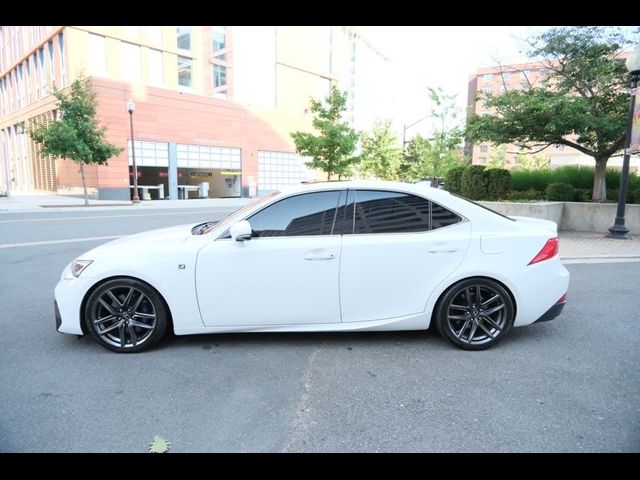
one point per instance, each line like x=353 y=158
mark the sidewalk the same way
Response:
x=588 y=247
x=45 y=203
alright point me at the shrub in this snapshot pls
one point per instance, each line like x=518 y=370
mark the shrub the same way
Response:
x=453 y=180
x=523 y=180
x=612 y=194
x=561 y=192
x=574 y=175
x=474 y=182
x=529 y=195
x=634 y=196
x=498 y=183
x=583 y=194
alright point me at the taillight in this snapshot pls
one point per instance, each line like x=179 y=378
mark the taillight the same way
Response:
x=549 y=250
x=563 y=298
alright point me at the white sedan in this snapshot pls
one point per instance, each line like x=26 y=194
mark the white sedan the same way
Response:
x=336 y=256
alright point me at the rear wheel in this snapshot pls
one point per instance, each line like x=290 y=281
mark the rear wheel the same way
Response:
x=475 y=313
x=126 y=315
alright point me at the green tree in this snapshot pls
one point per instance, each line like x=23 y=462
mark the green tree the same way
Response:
x=332 y=149
x=498 y=157
x=434 y=157
x=526 y=161
x=380 y=152
x=582 y=105
x=75 y=134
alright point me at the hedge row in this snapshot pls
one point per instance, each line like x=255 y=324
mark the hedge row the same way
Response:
x=576 y=176
x=477 y=183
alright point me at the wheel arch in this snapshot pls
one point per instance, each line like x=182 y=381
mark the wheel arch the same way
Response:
x=460 y=280
x=88 y=293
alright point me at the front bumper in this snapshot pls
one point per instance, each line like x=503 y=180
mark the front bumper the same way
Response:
x=56 y=311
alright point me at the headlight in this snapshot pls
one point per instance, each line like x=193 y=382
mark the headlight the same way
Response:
x=78 y=266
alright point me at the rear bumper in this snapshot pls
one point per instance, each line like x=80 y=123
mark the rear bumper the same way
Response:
x=552 y=313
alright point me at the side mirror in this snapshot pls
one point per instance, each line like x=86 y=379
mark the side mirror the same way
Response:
x=241 y=231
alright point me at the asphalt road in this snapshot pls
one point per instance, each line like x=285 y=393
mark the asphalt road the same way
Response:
x=570 y=385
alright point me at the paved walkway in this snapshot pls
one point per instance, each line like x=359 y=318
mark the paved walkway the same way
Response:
x=575 y=247
x=42 y=203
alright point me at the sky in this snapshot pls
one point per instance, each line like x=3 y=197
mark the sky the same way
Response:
x=440 y=56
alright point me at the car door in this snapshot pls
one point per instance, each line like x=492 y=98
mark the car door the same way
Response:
x=396 y=249
x=286 y=274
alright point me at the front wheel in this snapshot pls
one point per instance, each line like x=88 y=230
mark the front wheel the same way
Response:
x=126 y=315
x=475 y=313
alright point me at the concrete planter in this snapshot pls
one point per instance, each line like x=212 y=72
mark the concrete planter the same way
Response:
x=573 y=216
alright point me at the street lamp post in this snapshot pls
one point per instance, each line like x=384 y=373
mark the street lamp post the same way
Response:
x=407 y=127
x=132 y=107
x=619 y=230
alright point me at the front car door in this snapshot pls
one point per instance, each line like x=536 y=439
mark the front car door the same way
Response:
x=396 y=248
x=286 y=274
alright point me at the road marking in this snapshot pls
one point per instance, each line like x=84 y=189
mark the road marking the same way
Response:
x=113 y=216
x=52 y=242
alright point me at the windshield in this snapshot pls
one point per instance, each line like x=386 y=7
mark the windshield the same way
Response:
x=229 y=219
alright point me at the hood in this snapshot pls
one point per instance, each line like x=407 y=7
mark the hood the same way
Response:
x=144 y=241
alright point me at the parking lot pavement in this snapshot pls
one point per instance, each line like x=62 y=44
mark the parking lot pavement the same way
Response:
x=570 y=385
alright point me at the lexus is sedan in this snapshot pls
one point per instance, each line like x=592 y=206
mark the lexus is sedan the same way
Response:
x=334 y=256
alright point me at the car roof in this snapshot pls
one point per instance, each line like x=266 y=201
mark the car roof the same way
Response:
x=421 y=187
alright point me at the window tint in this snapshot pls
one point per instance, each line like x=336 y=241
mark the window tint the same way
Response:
x=390 y=212
x=441 y=217
x=306 y=214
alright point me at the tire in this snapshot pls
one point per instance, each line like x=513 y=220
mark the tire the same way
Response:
x=471 y=324
x=126 y=315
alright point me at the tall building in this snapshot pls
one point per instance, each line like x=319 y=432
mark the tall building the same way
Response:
x=494 y=81
x=214 y=105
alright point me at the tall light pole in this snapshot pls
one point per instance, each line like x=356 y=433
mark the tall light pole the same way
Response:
x=132 y=107
x=619 y=230
x=407 y=127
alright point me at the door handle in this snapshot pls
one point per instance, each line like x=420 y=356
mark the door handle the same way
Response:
x=319 y=254
x=442 y=248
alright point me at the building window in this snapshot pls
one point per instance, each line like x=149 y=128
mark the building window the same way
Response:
x=219 y=76
x=482 y=160
x=63 y=71
x=43 y=73
x=156 y=76
x=218 y=38
x=277 y=170
x=52 y=74
x=487 y=77
x=184 y=71
x=487 y=90
x=484 y=148
x=97 y=55
x=559 y=147
x=131 y=65
x=506 y=76
x=184 y=37
x=524 y=75
x=154 y=34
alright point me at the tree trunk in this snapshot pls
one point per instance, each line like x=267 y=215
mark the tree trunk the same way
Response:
x=600 y=181
x=84 y=185
x=328 y=176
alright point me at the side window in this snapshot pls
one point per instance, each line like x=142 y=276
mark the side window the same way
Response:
x=390 y=212
x=441 y=217
x=305 y=214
